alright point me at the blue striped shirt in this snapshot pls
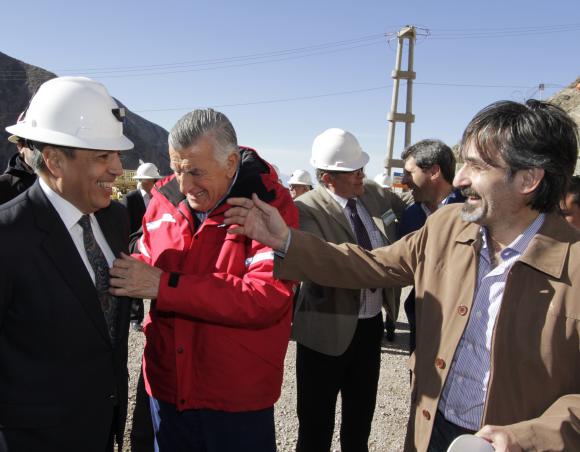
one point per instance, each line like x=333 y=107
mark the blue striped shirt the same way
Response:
x=464 y=394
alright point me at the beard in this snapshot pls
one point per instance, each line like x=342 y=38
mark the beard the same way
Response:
x=473 y=213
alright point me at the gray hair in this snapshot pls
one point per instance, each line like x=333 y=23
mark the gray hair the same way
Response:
x=37 y=162
x=206 y=122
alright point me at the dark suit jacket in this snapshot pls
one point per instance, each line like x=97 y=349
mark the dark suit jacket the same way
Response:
x=136 y=208
x=62 y=383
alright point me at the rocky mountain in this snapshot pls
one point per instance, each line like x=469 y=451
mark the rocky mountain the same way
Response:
x=569 y=100
x=19 y=81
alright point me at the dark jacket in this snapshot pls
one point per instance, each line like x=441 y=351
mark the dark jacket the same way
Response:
x=135 y=205
x=62 y=383
x=17 y=178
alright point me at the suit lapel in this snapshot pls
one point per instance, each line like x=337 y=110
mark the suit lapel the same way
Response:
x=61 y=250
x=335 y=212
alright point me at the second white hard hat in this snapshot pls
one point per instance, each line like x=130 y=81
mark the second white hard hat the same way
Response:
x=74 y=112
x=337 y=150
x=147 y=171
x=300 y=177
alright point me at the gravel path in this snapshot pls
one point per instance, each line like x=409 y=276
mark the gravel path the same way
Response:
x=389 y=424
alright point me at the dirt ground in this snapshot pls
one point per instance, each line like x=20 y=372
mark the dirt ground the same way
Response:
x=392 y=409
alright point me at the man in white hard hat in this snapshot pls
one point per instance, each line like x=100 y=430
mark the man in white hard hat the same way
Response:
x=338 y=332
x=136 y=201
x=63 y=337
x=299 y=183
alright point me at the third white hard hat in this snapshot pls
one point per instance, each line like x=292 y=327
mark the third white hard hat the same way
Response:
x=337 y=150
x=300 y=177
x=75 y=112
x=147 y=171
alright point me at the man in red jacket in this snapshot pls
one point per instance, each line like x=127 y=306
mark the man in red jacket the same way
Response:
x=219 y=323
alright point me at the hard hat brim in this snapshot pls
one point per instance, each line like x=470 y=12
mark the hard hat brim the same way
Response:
x=24 y=130
x=344 y=166
x=146 y=178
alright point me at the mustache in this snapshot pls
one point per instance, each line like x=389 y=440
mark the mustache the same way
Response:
x=467 y=192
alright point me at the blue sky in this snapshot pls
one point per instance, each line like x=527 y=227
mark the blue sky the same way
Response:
x=285 y=71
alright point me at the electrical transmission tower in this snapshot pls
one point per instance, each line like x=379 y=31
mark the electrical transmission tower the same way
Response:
x=406 y=33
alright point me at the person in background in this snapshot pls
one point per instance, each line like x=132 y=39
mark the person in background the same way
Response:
x=219 y=323
x=63 y=337
x=338 y=332
x=299 y=183
x=570 y=205
x=136 y=202
x=429 y=171
x=383 y=179
x=497 y=281
x=19 y=174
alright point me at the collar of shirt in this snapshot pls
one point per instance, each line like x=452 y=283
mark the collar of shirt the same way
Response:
x=144 y=194
x=339 y=199
x=68 y=213
x=443 y=202
x=517 y=247
x=201 y=216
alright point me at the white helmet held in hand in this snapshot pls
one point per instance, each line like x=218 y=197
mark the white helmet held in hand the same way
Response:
x=300 y=177
x=147 y=171
x=75 y=112
x=337 y=150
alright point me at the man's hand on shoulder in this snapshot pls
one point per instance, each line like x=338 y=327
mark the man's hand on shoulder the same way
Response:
x=501 y=438
x=257 y=220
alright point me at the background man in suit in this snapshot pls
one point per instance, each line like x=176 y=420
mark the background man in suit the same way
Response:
x=338 y=332
x=429 y=171
x=136 y=203
x=63 y=337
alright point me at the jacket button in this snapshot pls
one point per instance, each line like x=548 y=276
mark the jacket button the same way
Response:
x=462 y=310
x=440 y=363
x=426 y=415
x=111 y=396
x=179 y=349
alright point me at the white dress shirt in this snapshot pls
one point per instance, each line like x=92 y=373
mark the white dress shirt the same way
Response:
x=371 y=301
x=70 y=216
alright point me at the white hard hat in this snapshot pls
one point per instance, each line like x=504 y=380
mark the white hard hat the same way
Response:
x=75 y=112
x=337 y=150
x=383 y=179
x=300 y=177
x=147 y=171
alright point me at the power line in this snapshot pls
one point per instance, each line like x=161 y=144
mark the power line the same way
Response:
x=342 y=93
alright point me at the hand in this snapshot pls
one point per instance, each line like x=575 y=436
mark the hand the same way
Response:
x=501 y=438
x=133 y=278
x=257 y=220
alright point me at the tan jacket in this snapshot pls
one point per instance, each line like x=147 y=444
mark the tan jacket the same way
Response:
x=326 y=318
x=534 y=383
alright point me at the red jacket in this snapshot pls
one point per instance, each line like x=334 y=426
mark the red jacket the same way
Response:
x=217 y=334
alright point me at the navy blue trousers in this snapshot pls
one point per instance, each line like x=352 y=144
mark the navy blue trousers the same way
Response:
x=212 y=431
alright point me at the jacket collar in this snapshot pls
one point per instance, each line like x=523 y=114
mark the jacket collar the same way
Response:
x=547 y=251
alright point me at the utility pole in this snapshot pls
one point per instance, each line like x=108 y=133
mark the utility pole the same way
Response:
x=406 y=33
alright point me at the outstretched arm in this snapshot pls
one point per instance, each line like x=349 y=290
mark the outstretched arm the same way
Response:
x=258 y=221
